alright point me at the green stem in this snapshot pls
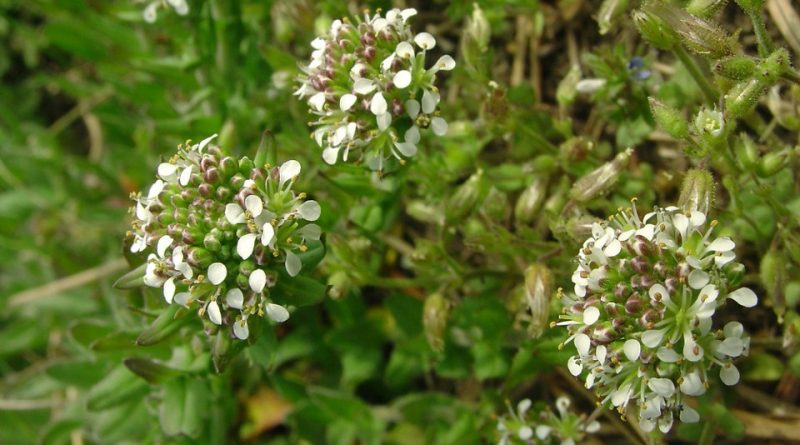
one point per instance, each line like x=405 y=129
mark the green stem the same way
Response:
x=765 y=45
x=711 y=93
x=707 y=434
x=792 y=76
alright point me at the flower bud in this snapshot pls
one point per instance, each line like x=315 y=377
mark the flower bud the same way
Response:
x=538 y=288
x=772 y=274
x=434 y=320
x=609 y=12
x=567 y=88
x=654 y=30
x=424 y=212
x=697 y=192
x=771 y=163
x=475 y=40
x=736 y=67
x=600 y=180
x=771 y=68
x=496 y=205
x=743 y=97
x=530 y=201
x=466 y=197
x=699 y=36
x=705 y=8
x=669 y=119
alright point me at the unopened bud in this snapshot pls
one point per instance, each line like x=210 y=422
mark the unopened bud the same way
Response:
x=771 y=68
x=424 y=212
x=600 y=180
x=772 y=274
x=610 y=11
x=466 y=197
x=743 y=97
x=654 y=30
x=475 y=41
x=496 y=205
x=538 y=288
x=697 y=192
x=434 y=320
x=771 y=163
x=340 y=284
x=705 y=8
x=669 y=119
x=736 y=67
x=567 y=88
x=699 y=36
x=530 y=201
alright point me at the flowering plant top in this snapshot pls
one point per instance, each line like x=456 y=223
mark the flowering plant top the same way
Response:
x=221 y=231
x=369 y=89
x=641 y=314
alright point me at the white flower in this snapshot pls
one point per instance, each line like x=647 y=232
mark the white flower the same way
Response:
x=217 y=272
x=425 y=41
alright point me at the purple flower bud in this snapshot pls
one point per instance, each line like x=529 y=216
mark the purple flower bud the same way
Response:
x=639 y=264
x=211 y=175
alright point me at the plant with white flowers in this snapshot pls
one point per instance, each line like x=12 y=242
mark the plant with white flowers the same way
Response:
x=150 y=13
x=541 y=426
x=221 y=231
x=369 y=88
x=641 y=314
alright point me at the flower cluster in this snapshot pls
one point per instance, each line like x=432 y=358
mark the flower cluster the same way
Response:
x=369 y=88
x=641 y=313
x=543 y=427
x=221 y=231
x=150 y=13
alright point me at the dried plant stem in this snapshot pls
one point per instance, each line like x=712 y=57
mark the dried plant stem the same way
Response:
x=66 y=283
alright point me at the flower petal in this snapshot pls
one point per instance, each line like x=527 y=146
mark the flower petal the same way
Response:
x=744 y=296
x=240 y=329
x=254 y=205
x=722 y=244
x=163 y=244
x=632 y=349
x=245 y=245
x=429 y=101
x=346 y=101
x=288 y=171
x=257 y=280
x=729 y=374
x=234 y=214
x=412 y=108
x=445 y=63
x=363 y=86
x=217 y=273
x=293 y=264
x=277 y=313
x=378 y=105
x=234 y=298
x=582 y=344
x=425 y=41
x=590 y=315
x=404 y=50
x=402 y=79
x=698 y=279
x=213 y=313
x=169 y=290
x=309 y=210
x=439 y=126
x=267 y=234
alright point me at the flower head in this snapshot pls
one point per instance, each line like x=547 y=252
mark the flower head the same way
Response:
x=370 y=90
x=640 y=316
x=221 y=232
x=530 y=424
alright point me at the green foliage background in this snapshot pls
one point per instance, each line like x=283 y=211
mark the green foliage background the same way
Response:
x=92 y=97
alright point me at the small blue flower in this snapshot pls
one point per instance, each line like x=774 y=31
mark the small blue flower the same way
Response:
x=636 y=67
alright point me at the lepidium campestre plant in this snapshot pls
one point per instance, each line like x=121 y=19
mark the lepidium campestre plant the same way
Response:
x=220 y=232
x=539 y=425
x=369 y=88
x=640 y=315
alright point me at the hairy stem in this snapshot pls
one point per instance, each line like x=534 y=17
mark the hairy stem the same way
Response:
x=711 y=93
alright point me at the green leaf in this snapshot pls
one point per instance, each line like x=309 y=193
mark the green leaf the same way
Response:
x=152 y=372
x=120 y=386
x=80 y=373
x=167 y=323
x=183 y=404
x=131 y=280
x=299 y=291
